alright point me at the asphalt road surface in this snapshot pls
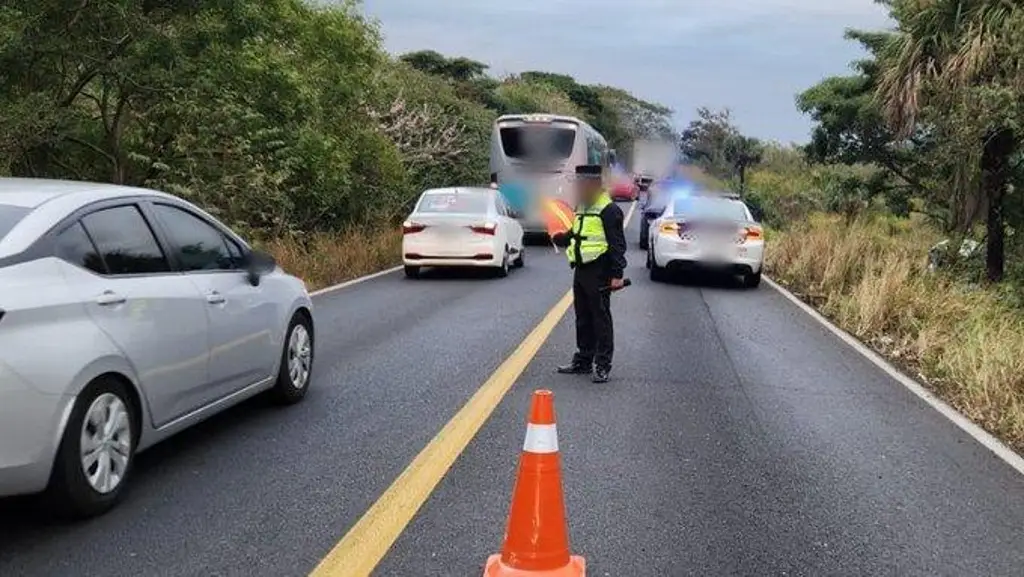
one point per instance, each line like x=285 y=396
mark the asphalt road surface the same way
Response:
x=737 y=437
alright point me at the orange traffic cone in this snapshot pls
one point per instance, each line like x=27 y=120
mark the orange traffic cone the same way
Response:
x=537 y=538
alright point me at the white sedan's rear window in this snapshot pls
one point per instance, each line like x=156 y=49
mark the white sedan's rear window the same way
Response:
x=705 y=207
x=461 y=203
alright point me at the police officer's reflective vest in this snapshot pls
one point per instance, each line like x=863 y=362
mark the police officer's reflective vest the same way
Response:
x=588 y=239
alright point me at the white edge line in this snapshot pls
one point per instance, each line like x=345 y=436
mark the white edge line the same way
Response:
x=986 y=439
x=354 y=281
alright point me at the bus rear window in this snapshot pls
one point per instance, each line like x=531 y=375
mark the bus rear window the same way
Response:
x=538 y=143
x=9 y=217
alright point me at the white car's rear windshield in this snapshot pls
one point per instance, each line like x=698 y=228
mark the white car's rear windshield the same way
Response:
x=454 y=203
x=10 y=216
x=704 y=207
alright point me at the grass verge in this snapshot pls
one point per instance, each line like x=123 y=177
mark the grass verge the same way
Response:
x=870 y=278
x=326 y=259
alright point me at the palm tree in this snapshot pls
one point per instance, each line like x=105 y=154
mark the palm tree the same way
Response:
x=956 y=55
x=743 y=152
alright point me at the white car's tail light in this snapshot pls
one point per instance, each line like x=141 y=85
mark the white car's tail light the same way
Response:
x=409 y=227
x=752 y=234
x=489 y=228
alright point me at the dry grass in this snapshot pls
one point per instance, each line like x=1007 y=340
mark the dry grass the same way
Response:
x=325 y=259
x=870 y=278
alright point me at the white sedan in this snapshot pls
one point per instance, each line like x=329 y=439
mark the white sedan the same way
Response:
x=462 y=227
x=706 y=232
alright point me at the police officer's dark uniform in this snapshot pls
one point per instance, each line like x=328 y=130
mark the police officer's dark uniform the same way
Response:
x=596 y=247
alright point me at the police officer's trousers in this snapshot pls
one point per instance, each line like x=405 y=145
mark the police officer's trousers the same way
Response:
x=592 y=306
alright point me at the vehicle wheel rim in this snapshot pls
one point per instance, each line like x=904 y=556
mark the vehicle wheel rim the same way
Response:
x=106 y=443
x=300 y=356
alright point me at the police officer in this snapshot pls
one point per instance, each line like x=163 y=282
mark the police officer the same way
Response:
x=596 y=247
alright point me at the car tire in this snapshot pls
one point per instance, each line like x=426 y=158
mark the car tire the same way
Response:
x=752 y=280
x=503 y=268
x=295 y=372
x=520 y=261
x=658 y=274
x=411 y=271
x=70 y=491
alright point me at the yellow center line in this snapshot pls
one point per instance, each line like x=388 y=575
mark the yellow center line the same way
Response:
x=368 y=541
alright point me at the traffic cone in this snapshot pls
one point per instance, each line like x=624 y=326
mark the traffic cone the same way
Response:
x=537 y=537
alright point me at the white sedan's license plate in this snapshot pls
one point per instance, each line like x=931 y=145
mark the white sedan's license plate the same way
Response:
x=448 y=232
x=719 y=253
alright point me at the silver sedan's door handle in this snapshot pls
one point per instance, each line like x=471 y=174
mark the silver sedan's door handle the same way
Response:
x=215 y=298
x=110 y=298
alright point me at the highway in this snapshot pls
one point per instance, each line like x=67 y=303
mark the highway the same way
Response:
x=738 y=436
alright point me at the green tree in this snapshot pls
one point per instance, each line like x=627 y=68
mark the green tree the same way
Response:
x=715 y=144
x=599 y=113
x=639 y=119
x=459 y=69
x=964 y=59
x=849 y=129
x=519 y=96
x=743 y=152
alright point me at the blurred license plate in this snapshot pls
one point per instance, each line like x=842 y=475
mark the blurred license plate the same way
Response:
x=448 y=230
x=719 y=251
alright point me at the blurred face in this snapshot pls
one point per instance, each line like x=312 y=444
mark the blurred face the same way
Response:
x=588 y=189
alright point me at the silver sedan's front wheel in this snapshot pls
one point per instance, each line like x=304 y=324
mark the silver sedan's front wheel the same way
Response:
x=300 y=356
x=296 y=372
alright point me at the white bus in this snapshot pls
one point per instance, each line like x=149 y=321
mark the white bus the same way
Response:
x=537 y=154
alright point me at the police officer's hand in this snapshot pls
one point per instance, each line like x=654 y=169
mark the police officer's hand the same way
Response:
x=617 y=284
x=561 y=240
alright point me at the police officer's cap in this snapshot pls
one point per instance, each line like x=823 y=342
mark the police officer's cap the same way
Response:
x=589 y=171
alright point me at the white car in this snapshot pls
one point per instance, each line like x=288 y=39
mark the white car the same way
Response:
x=706 y=232
x=127 y=315
x=462 y=227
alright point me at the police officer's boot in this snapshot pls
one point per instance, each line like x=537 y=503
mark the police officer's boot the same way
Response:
x=601 y=375
x=575 y=368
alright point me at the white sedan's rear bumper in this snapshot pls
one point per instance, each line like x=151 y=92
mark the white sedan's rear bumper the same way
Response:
x=481 y=252
x=452 y=262
x=675 y=253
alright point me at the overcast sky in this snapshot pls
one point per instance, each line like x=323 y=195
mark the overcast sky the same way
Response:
x=752 y=56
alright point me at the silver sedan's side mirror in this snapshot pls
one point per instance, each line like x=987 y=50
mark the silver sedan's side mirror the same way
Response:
x=258 y=264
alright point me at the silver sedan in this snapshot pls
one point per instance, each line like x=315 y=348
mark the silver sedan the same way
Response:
x=127 y=315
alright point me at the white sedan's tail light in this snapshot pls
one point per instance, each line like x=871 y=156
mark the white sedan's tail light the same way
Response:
x=489 y=228
x=752 y=233
x=409 y=227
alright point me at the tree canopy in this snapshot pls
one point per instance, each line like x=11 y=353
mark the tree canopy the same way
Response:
x=936 y=109
x=281 y=116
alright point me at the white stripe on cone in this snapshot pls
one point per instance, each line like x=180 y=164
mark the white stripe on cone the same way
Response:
x=541 y=439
